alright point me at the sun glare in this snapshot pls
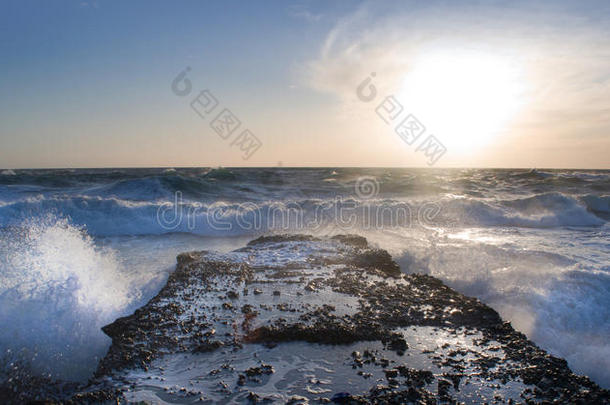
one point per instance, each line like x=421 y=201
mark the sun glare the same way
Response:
x=465 y=99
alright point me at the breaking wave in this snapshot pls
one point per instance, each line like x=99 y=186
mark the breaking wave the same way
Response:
x=536 y=244
x=113 y=216
x=56 y=290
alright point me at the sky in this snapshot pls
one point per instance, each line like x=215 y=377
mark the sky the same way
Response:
x=310 y=83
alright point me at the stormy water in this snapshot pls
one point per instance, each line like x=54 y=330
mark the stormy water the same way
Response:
x=79 y=248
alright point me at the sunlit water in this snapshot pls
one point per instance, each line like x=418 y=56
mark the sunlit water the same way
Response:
x=80 y=248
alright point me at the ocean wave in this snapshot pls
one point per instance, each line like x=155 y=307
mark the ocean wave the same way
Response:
x=56 y=290
x=533 y=174
x=599 y=205
x=100 y=216
x=248 y=184
x=597 y=179
x=559 y=297
x=546 y=210
x=61 y=283
x=106 y=216
x=165 y=186
x=113 y=216
x=588 y=176
x=128 y=202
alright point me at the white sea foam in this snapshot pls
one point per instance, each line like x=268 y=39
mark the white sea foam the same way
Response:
x=59 y=286
x=553 y=285
x=56 y=290
x=534 y=245
x=107 y=216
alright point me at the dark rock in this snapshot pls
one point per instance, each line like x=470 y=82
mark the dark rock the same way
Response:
x=342 y=398
x=377 y=259
x=260 y=370
x=208 y=346
x=241 y=379
x=356 y=241
x=396 y=343
x=281 y=238
x=185 y=316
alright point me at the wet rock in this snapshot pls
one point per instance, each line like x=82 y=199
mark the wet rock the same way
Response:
x=241 y=379
x=396 y=343
x=254 y=398
x=260 y=370
x=320 y=332
x=377 y=259
x=353 y=295
x=297 y=400
x=342 y=398
x=444 y=387
x=356 y=241
x=248 y=310
x=282 y=238
x=208 y=346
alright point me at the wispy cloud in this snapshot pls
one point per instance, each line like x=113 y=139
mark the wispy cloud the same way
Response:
x=562 y=49
x=89 y=4
x=301 y=11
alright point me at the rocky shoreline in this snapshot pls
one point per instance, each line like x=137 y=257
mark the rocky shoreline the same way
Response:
x=297 y=319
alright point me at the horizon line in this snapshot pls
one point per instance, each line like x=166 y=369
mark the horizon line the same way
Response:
x=302 y=167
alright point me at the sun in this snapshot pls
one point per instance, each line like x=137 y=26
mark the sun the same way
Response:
x=464 y=98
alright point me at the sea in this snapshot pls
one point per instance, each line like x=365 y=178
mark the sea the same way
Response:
x=82 y=247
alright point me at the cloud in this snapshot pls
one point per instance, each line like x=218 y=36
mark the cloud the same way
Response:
x=302 y=12
x=87 y=4
x=561 y=48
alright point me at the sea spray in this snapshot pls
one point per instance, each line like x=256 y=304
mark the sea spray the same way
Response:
x=56 y=290
x=532 y=244
x=543 y=286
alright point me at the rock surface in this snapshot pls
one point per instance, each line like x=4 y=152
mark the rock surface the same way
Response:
x=297 y=319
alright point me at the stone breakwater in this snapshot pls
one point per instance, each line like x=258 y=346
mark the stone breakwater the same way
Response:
x=297 y=319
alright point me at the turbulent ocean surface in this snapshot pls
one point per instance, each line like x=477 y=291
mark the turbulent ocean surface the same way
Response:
x=79 y=248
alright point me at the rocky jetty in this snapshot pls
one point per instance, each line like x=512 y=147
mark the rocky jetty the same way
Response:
x=296 y=319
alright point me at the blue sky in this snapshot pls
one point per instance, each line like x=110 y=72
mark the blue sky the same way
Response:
x=87 y=83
